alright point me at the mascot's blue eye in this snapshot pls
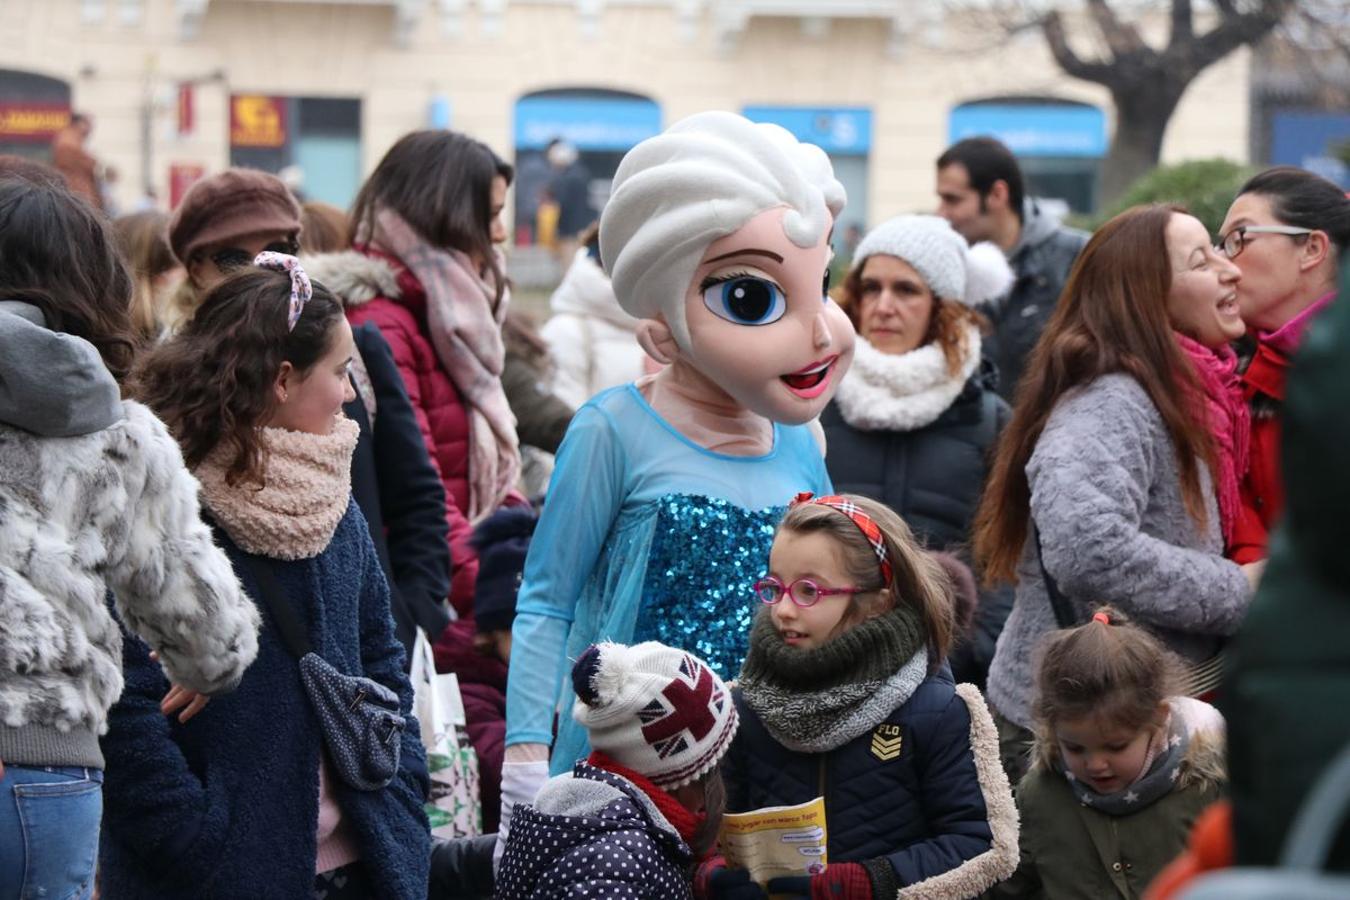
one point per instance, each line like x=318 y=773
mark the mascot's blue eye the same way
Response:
x=746 y=300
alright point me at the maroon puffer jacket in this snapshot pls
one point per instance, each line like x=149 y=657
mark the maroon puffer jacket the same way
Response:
x=377 y=288
x=482 y=685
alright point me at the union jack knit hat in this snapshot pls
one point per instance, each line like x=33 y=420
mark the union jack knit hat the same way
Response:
x=659 y=711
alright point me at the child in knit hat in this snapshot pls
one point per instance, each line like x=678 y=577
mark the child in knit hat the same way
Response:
x=846 y=695
x=635 y=816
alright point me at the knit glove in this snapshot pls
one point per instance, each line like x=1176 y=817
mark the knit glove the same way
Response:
x=520 y=782
x=839 y=881
x=714 y=881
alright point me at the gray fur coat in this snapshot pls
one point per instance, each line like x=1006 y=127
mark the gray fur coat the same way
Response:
x=1106 y=498
x=112 y=511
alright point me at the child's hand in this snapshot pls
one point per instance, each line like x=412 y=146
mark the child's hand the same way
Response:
x=180 y=697
x=714 y=881
x=839 y=881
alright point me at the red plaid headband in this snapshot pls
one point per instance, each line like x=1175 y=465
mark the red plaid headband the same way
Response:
x=869 y=528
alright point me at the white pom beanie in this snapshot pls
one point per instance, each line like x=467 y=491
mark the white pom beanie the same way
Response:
x=656 y=710
x=952 y=268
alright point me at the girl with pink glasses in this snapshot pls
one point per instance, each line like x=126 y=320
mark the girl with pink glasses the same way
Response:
x=846 y=694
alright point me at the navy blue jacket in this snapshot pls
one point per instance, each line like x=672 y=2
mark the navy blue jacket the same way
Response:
x=591 y=833
x=226 y=806
x=401 y=497
x=921 y=808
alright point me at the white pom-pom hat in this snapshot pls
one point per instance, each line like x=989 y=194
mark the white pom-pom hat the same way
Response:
x=953 y=269
x=656 y=710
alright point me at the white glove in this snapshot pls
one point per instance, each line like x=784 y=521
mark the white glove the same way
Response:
x=521 y=781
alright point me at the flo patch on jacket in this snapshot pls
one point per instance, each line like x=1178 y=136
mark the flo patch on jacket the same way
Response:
x=886 y=742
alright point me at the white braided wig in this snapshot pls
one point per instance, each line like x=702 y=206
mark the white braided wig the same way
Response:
x=702 y=179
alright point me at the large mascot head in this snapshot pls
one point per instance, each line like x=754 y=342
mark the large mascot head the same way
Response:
x=717 y=236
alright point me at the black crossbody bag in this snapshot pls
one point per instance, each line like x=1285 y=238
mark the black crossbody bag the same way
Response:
x=358 y=717
x=1202 y=678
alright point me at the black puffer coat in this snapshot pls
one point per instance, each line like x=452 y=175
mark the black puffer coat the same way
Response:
x=933 y=477
x=922 y=790
x=593 y=834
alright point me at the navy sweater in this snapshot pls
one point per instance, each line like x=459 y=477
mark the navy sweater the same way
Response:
x=227 y=805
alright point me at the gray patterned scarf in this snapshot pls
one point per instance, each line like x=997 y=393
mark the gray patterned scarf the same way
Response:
x=813 y=701
x=1159 y=778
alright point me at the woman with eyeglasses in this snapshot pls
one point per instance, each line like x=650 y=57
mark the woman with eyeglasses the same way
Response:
x=1287 y=231
x=1117 y=480
x=224 y=221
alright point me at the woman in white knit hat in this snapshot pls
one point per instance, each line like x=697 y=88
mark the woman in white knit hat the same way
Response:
x=914 y=418
x=633 y=818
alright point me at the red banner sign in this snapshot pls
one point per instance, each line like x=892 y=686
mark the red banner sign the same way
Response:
x=32 y=123
x=257 y=121
x=186 y=107
x=181 y=177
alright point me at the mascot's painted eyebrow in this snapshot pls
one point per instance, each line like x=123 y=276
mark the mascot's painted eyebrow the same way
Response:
x=750 y=251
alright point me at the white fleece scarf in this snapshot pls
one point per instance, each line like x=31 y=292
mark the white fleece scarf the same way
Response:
x=905 y=391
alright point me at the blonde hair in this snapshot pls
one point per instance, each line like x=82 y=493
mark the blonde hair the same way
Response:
x=143 y=238
x=917 y=577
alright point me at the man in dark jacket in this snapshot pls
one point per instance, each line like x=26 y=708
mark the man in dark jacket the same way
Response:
x=980 y=191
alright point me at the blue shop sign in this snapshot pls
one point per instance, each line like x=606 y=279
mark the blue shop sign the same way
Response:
x=845 y=130
x=1034 y=129
x=598 y=123
x=1311 y=140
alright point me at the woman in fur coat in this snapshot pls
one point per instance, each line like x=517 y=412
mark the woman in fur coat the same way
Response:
x=916 y=417
x=95 y=504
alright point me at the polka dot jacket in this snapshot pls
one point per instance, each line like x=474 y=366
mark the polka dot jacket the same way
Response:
x=593 y=834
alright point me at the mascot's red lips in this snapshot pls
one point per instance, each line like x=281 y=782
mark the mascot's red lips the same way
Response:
x=811 y=381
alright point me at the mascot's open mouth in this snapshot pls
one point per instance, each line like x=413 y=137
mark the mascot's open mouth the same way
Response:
x=811 y=381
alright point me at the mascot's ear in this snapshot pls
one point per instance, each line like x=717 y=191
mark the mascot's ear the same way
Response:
x=655 y=337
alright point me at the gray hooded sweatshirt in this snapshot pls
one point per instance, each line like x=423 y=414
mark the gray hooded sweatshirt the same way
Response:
x=52 y=384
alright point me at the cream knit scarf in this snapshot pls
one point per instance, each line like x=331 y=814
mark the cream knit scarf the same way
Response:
x=307 y=490
x=905 y=391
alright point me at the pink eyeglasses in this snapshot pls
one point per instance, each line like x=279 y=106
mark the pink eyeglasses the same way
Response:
x=804 y=592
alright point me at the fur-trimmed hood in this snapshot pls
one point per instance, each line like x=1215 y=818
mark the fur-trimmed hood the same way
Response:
x=353 y=277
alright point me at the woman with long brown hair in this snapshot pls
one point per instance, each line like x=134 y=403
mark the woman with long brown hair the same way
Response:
x=1103 y=487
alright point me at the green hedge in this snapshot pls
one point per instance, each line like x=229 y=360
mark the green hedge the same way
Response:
x=1206 y=187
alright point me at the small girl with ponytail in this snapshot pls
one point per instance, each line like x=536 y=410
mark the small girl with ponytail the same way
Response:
x=846 y=694
x=1122 y=764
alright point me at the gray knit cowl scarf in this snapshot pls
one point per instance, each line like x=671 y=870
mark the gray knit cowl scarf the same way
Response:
x=813 y=701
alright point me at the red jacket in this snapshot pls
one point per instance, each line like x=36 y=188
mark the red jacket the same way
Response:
x=377 y=288
x=1263 y=386
x=1262 y=488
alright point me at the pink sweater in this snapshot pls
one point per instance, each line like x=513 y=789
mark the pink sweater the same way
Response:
x=337 y=848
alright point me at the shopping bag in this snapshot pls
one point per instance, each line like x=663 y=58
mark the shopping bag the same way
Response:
x=455 y=807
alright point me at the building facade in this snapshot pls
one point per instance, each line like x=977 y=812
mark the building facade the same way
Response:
x=177 y=88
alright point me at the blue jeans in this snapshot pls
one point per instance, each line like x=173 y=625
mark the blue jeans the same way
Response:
x=49 y=820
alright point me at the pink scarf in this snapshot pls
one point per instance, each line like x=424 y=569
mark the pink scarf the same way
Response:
x=466 y=332
x=1228 y=420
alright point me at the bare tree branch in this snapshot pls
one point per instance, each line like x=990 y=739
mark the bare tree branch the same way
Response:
x=1234 y=31
x=1183 y=25
x=1052 y=26
x=1121 y=37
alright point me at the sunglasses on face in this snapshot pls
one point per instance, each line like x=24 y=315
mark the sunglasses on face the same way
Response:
x=233 y=258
